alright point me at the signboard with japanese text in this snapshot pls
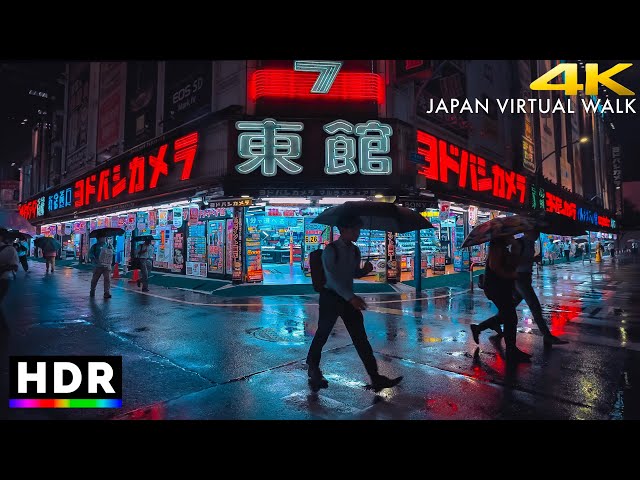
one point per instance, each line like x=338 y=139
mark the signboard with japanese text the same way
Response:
x=236 y=245
x=270 y=154
x=392 y=264
x=616 y=161
x=162 y=166
x=554 y=203
x=454 y=169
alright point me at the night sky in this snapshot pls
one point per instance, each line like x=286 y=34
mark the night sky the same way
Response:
x=16 y=105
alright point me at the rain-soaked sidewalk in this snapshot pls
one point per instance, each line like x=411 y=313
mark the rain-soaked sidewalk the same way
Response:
x=188 y=355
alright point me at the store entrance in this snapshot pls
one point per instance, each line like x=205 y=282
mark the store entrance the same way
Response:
x=281 y=231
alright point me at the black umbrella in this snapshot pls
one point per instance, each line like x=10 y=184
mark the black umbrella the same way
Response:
x=499 y=227
x=581 y=240
x=384 y=216
x=106 y=232
x=47 y=243
x=13 y=234
x=556 y=224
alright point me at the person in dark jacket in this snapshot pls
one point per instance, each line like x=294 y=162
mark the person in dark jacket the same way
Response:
x=500 y=275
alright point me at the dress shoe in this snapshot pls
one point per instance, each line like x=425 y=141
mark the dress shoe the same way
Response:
x=316 y=379
x=380 y=381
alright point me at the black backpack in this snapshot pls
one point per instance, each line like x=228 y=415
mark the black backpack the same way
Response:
x=318 y=277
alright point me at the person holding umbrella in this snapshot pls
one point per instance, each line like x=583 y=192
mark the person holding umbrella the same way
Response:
x=101 y=256
x=8 y=267
x=50 y=252
x=341 y=264
x=145 y=254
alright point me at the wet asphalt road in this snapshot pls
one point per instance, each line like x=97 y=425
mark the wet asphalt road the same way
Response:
x=192 y=356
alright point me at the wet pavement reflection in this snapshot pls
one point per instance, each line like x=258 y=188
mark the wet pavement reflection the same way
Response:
x=189 y=355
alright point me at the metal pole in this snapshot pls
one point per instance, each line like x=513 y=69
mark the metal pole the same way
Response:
x=417 y=264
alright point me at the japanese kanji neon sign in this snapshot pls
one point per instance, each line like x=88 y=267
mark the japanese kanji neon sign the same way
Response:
x=541 y=200
x=138 y=174
x=472 y=172
x=271 y=145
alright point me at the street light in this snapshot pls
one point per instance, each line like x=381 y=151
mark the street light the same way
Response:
x=580 y=140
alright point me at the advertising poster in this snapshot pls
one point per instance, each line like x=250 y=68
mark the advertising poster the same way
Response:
x=253 y=251
x=177 y=217
x=113 y=222
x=122 y=221
x=215 y=237
x=131 y=222
x=197 y=251
x=68 y=228
x=178 y=252
x=162 y=218
x=236 y=245
x=392 y=264
x=444 y=210
x=194 y=215
x=110 y=115
x=78 y=115
x=473 y=215
x=196 y=269
x=102 y=222
x=170 y=217
x=229 y=243
x=93 y=224
x=79 y=227
x=152 y=218
x=140 y=116
x=187 y=91
x=439 y=263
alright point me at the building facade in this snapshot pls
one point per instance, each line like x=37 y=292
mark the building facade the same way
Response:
x=226 y=163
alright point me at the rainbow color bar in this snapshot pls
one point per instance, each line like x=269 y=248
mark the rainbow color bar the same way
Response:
x=64 y=403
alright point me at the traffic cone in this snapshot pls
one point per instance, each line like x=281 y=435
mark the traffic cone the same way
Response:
x=116 y=272
x=136 y=276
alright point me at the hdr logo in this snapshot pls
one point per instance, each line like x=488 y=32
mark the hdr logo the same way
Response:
x=65 y=382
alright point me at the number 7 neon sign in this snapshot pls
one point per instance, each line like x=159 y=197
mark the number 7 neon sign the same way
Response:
x=328 y=72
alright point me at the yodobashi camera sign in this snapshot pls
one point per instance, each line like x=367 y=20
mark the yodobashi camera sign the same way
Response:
x=65 y=382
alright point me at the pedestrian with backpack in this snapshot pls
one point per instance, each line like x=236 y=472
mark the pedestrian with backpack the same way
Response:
x=101 y=256
x=333 y=278
x=8 y=268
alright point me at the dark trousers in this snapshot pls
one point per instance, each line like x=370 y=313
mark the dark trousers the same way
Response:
x=524 y=290
x=567 y=255
x=506 y=315
x=25 y=265
x=333 y=306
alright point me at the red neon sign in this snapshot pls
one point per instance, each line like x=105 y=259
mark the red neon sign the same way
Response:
x=555 y=204
x=472 y=171
x=132 y=175
x=287 y=84
x=604 y=221
x=28 y=210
